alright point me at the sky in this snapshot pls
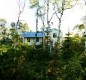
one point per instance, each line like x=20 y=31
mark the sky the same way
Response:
x=9 y=11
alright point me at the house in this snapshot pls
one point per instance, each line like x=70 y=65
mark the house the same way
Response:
x=30 y=38
x=53 y=34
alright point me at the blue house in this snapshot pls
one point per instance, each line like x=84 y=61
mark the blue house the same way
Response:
x=31 y=37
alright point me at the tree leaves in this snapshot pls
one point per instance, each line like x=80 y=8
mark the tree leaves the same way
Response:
x=3 y=22
x=34 y=3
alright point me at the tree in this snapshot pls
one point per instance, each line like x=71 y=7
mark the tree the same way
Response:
x=72 y=46
x=21 y=6
x=59 y=8
x=3 y=22
x=14 y=37
x=68 y=60
x=3 y=30
x=23 y=26
x=35 y=4
x=67 y=51
x=80 y=28
x=12 y=31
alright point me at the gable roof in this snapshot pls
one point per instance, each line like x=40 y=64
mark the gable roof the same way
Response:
x=32 y=34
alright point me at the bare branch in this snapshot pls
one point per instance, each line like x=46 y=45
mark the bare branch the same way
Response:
x=21 y=8
x=56 y=15
x=52 y=16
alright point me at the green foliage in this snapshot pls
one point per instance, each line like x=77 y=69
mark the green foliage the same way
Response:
x=3 y=22
x=79 y=27
x=23 y=63
x=23 y=26
x=33 y=3
x=72 y=46
x=73 y=70
x=69 y=64
x=82 y=59
x=67 y=49
x=29 y=63
x=6 y=41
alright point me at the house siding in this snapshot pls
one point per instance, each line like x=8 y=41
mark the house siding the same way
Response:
x=31 y=36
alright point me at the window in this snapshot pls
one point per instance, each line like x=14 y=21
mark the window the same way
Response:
x=28 y=39
x=54 y=35
x=37 y=39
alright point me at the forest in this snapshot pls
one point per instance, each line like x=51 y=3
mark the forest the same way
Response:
x=66 y=60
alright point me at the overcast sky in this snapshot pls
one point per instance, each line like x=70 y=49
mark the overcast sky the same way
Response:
x=9 y=11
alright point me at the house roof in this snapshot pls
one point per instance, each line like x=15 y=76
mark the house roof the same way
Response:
x=32 y=34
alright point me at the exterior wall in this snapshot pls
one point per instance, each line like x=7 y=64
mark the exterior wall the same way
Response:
x=40 y=41
x=32 y=41
x=51 y=35
x=54 y=39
